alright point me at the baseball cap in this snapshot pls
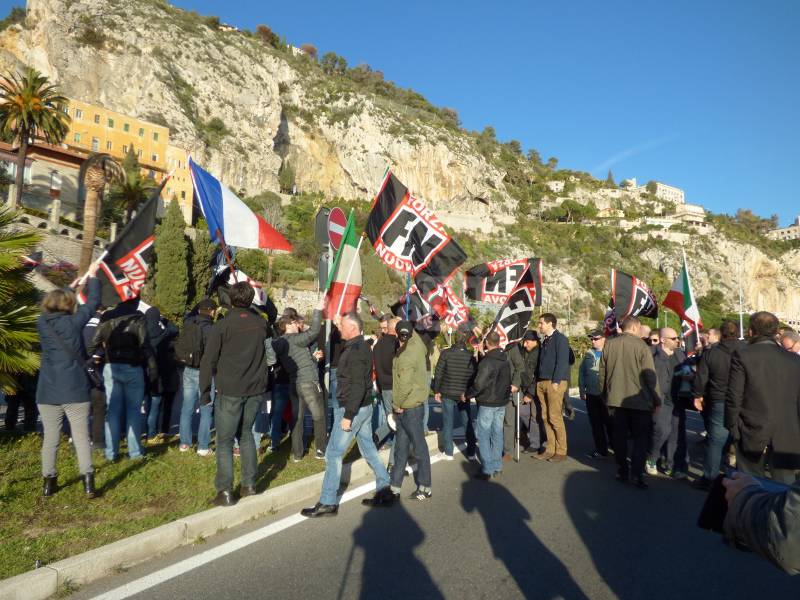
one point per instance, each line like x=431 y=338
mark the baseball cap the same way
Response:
x=531 y=336
x=404 y=329
x=595 y=333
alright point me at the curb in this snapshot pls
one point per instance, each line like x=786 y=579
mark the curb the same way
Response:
x=109 y=559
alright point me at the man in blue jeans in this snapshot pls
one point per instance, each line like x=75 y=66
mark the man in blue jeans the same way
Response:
x=352 y=418
x=492 y=390
x=454 y=373
x=710 y=386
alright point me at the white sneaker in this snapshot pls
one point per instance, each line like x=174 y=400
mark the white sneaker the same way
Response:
x=447 y=457
x=390 y=422
x=207 y=452
x=184 y=448
x=650 y=468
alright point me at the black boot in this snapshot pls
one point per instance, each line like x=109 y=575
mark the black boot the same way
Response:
x=88 y=485
x=50 y=486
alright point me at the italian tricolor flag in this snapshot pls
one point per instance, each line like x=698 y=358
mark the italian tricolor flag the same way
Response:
x=344 y=278
x=680 y=298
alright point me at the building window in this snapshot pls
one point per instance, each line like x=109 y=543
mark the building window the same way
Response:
x=141 y=132
x=95 y=144
x=111 y=123
x=78 y=113
x=77 y=138
x=124 y=149
x=139 y=153
x=151 y=174
x=55 y=181
x=97 y=118
x=109 y=145
x=183 y=194
x=66 y=110
x=155 y=136
x=126 y=127
x=154 y=157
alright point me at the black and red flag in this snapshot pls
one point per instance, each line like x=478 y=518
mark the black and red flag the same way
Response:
x=496 y=280
x=513 y=318
x=124 y=264
x=428 y=304
x=407 y=236
x=632 y=297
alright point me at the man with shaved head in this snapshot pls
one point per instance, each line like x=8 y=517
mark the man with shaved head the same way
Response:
x=790 y=340
x=667 y=356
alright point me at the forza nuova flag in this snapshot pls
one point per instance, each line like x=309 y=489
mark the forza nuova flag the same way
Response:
x=407 y=236
x=513 y=318
x=428 y=304
x=690 y=336
x=496 y=280
x=680 y=297
x=344 y=280
x=631 y=297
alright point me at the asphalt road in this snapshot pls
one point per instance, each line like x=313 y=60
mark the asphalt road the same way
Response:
x=541 y=530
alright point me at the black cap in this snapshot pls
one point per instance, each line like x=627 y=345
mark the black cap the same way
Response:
x=205 y=304
x=404 y=329
x=530 y=336
x=595 y=333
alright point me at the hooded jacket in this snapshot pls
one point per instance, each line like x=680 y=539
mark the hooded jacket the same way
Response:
x=409 y=383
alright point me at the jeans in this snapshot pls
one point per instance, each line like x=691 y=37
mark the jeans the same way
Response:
x=490 y=437
x=410 y=435
x=451 y=408
x=52 y=420
x=361 y=429
x=152 y=415
x=280 y=397
x=229 y=412
x=124 y=394
x=308 y=395
x=191 y=398
x=330 y=419
x=717 y=437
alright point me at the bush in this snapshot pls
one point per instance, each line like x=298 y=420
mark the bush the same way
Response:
x=92 y=37
x=266 y=35
x=310 y=50
x=213 y=132
x=15 y=17
x=172 y=264
x=286 y=179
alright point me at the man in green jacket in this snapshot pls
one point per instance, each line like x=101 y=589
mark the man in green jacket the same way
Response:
x=410 y=391
x=628 y=378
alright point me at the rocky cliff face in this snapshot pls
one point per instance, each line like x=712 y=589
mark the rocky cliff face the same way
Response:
x=150 y=60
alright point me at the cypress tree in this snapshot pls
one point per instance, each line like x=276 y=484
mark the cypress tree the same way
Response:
x=172 y=264
x=202 y=251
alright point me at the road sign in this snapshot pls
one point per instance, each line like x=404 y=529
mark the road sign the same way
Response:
x=336 y=224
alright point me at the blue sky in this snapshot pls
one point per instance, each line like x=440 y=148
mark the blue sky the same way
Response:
x=701 y=95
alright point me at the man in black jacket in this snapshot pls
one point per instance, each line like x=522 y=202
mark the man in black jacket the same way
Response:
x=236 y=358
x=454 y=373
x=762 y=403
x=709 y=388
x=382 y=358
x=352 y=418
x=492 y=390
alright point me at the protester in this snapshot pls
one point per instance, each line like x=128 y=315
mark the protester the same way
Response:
x=236 y=358
x=654 y=339
x=524 y=359
x=160 y=333
x=592 y=393
x=627 y=376
x=130 y=365
x=454 y=373
x=790 y=340
x=645 y=333
x=551 y=386
x=352 y=418
x=189 y=350
x=710 y=387
x=383 y=354
x=764 y=522
x=667 y=359
x=95 y=362
x=25 y=395
x=761 y=404
x=294 y=354
x=64 y=388
x=410 y=392
x=491 y=389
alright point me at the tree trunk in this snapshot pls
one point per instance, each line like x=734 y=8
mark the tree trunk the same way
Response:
x=95 y=182
x=19 y=179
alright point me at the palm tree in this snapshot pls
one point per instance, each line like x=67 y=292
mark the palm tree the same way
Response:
x=136 y=189
x=96 y=171
x=18 y=310
x=30 y=106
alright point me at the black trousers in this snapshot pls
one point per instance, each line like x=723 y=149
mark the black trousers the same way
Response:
x=600 y=422
x=98 y=398
x=638 y=423
x=12 y=410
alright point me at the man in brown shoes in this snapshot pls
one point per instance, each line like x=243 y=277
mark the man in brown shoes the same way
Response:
x=551 y=387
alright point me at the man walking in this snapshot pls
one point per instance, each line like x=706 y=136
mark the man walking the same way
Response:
x=710 y=387
x=628 y=378
x=352 y=417
x=492 y=389
x=551 y=387
x=236 y=359
x=523 y=359
x=454 y=373
x=591 y=392
x=762 y=404
x=382 y=356
x=410 y=392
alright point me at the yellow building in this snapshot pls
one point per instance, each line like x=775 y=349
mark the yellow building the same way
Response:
x=180 y=184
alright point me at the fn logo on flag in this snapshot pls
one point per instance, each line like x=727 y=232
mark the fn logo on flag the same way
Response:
x=411 y=237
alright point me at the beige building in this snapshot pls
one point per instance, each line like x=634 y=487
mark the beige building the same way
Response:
x=179 y=185
x=792 y=232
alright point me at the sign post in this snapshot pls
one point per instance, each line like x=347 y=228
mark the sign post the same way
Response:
x=322 y=238
x=337 y=221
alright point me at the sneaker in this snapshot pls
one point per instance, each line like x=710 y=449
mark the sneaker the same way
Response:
x=447 y=457
x=421 y=495
x=596 y=454
x=319 y=455
x=236 y=452
x=679 y=475
x=206 y=452
x=390 y=422
x=297 y=460
x=473 y=457
x=650 y=467
x=184 y=448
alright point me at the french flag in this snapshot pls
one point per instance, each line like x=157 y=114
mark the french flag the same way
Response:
x=229 y=219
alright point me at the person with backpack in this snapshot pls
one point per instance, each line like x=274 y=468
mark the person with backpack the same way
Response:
x=129 y=360
x=63 y=387
x=189 y=352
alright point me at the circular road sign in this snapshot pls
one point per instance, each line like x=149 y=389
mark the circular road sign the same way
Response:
x=336 y=224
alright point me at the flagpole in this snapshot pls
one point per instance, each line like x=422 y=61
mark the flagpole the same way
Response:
x=226 y=254
x=408 y=296
x=349 y=273
x=741 y=311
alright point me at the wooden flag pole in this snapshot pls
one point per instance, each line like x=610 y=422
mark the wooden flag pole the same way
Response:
x=226 y=254
x=350 y=272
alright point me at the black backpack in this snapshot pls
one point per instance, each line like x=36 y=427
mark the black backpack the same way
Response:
x=189 y=345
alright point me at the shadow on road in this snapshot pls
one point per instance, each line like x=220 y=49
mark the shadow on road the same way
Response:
x=391 y=570
x=536 y=571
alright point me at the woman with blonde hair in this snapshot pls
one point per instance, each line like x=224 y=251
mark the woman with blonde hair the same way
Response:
x=64 y=387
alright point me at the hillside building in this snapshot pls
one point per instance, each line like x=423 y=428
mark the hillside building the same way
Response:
x=666 y=192
x=792 y=232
